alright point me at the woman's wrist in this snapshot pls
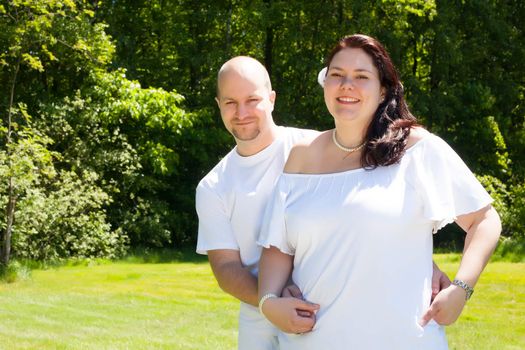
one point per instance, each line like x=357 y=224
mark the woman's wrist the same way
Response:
x=465 y=286
x=263 y=299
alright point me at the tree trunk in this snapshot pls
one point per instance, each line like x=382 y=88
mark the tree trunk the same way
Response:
x=268 y=45
x=228 y=30
x=10 y=214
x=5 y=252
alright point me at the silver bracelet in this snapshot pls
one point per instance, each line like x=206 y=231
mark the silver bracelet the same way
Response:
x=263 y=299
x=463 y=285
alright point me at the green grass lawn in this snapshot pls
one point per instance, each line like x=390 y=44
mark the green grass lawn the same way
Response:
x=178 y=305
x=495 y=316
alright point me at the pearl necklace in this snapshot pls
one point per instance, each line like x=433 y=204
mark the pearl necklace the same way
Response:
x=346 y=149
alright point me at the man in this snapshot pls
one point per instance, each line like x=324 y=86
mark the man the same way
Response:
x=232 y=197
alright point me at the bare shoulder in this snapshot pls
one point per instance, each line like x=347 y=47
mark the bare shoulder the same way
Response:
x=302 y=153
x=416 y=135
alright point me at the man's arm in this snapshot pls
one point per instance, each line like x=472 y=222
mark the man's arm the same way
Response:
x=232 y=276
x=217 y=239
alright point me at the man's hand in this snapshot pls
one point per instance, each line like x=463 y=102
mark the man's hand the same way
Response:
x=440 y=280
x=293 y=291
x=291 y=315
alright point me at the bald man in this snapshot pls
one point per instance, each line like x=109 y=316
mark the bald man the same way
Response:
x=232 y=197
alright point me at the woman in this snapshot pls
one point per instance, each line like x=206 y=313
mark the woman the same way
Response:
x=354 y=213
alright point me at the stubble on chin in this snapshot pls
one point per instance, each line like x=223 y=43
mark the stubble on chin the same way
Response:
x=245 y=135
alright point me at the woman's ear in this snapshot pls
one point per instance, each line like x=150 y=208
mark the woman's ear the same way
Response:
x=383 y=94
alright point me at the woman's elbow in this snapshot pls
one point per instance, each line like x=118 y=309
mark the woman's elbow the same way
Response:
x=493 y=221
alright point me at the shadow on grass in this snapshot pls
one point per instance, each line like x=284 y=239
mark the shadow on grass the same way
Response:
x=22 y=267
x=162 y=256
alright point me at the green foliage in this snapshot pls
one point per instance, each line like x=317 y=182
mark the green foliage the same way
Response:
x=133 y=139
x=516 y=216
x=54 y=37
x=14 y=272
x=510 y=249
x=58 y=213
x=65 y=218
x=26 y=160
x=509 y=201
x=50 y=47
x=64 y=63
x=459 y=61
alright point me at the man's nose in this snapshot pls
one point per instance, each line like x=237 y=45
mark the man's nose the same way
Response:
x=242 y=111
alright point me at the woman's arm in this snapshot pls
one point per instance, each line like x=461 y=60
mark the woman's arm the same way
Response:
x=288 y=314
x=483 y=228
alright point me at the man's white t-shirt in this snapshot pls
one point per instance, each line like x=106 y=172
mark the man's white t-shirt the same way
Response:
x=230 y=201
x=232 y=197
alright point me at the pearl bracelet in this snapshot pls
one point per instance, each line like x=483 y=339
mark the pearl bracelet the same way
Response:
x=263 y=299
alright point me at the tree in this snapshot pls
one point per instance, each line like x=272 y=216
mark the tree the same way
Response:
x=43 y=41
x=134 y=139
x=459 y=61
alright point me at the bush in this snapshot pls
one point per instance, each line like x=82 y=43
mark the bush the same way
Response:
x=510 y=249
x=515 y=220
x=65 y=219
x=14 y=272
x=509 y=201
x=148 y=152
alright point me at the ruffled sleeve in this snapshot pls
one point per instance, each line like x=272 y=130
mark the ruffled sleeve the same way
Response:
x=446 y=185
x=273 y=230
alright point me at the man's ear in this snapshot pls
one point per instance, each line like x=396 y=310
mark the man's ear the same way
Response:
x=218 y=102
x=272 y=96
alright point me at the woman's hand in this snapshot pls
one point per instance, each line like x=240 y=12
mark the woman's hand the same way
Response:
x=440 y=280
x=291 y=315
x=446 y=307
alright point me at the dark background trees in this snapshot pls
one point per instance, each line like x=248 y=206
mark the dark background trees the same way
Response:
x=120 y=96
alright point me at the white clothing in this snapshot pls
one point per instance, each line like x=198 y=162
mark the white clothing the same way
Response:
x=255 y=331
x=362 y=246
x=230 y=202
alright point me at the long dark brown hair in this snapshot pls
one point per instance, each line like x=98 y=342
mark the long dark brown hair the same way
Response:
x=387 y=134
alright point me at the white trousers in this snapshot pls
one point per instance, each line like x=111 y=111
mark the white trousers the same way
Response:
x=255 y=331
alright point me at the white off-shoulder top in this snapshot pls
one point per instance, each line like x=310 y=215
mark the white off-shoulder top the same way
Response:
x=362 y=245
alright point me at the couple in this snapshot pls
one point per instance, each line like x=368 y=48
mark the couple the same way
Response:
x=350 y=219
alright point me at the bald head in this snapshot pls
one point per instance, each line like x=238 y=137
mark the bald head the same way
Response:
x=246 y=100
x=244 y=67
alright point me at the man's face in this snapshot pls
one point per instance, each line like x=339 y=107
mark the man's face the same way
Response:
x=246 y=104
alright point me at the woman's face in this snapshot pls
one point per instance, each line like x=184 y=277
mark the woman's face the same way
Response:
x=352 y=91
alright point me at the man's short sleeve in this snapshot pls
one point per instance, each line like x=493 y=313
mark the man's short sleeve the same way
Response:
x=215 y=229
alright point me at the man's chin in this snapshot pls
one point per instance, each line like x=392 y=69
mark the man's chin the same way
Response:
x=246 y=136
